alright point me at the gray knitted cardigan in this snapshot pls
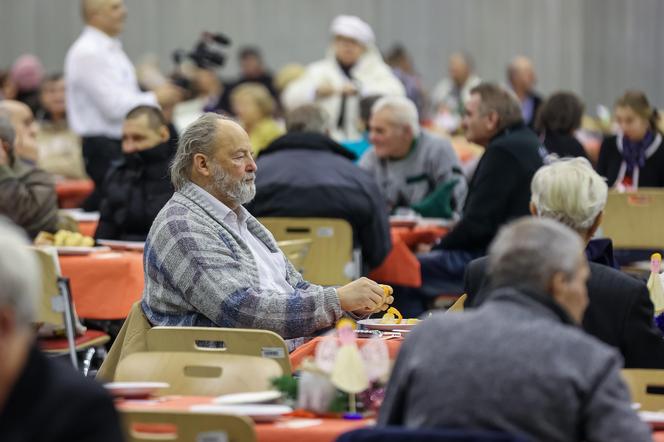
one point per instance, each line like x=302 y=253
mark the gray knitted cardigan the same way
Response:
x=199 y=272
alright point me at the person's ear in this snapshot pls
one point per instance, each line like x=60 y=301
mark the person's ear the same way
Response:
x=492 y=120
x=164 y=134
x=558 y=285
x=595 y=225
x=533 y=209
x=202 y=165
x=7 y=322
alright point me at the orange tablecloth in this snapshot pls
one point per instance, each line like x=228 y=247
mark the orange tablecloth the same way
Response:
x=104 y=285
x=87 y=228
x=71 y=193
x=658 y=436
x=401 y=266
x=308 y=349
x=324 y=430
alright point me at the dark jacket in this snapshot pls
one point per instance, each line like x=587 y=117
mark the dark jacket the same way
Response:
x=610 y=162
x=310 y=175
x=499 y=190
x=515 y=365
x=563 y=145
x=619 y=313
x=51 y=402
x=28 y=198
x=135 y=190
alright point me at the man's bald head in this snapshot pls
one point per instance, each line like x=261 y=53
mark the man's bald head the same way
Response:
x=521 y=74
x=106 y=15
x=460 y=66
x=23 y=122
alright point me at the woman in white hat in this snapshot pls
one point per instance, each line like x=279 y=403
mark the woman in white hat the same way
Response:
x=353 y=68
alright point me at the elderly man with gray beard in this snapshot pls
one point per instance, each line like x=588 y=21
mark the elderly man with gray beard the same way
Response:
x=209 y=263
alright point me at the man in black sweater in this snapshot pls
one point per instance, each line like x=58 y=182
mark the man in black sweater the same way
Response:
x=41 y=399
x=498 y=192
x=138 y=185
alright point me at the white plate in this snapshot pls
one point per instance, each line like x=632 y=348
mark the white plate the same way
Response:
x=122 y=245
x=257 y=412
x=654 y=418
x=134 y=389
x=80 y=216
x=256 y=397
x=75 y=250
x=375 y=324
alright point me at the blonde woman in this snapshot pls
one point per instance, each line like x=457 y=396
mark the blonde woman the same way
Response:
x=634 y=158
x=254 y=107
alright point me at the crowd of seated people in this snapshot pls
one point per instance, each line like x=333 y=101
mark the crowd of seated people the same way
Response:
x=356 y=138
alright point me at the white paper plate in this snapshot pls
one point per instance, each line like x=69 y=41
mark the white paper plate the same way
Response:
x=122 y=245
x=80 y=216
x=375 y=324
x=134 y=389
x=257 y=412
x=75 y=250
x=256 y=397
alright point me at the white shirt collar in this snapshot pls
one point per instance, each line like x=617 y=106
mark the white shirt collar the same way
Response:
x=222 y=211
x=102 y=37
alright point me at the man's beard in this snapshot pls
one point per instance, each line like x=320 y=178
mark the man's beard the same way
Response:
x=239 y=192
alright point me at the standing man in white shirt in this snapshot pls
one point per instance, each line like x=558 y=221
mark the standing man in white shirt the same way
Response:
x=101 y=87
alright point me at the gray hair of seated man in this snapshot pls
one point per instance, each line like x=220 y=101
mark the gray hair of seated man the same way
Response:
x=570 y=191
x=199 y=137
x=20 y=275
x=7 y=132
x=307 y=118
x=402 y=111
x=528 y=252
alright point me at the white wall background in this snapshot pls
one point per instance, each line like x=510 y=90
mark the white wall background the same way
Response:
x=596 y=48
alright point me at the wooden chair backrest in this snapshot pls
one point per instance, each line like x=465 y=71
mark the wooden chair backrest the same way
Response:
x=199 y=374
x=647 y=387
x=296 y=251
x=458 y=305
x=211 y=340
x=185 y=427
x=51 y=305
x=331 y=251
x=633 y=220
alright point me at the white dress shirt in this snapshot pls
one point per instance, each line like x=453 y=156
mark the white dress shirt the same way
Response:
x=271 y=266
x=101 y=85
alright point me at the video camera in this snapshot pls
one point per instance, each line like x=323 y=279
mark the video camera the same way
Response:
x=206 y=54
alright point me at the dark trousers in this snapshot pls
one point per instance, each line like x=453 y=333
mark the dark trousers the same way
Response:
x=442 y=274
x=99 y=153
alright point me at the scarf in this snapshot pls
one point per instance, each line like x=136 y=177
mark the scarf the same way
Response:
x=634 y=152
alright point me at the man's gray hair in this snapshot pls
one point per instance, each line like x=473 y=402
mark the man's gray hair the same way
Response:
x=495 y=98
x=402 y=109
x=198 y=137
x=307 y=118
x=7 y=132
x=20 y=274
x=528 y=252
x=570 y=191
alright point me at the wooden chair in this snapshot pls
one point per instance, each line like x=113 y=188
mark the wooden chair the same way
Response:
x=331 y=259
x=140 y=426
x=213 y=340
x=647 y=387
x=296 y=251
x=132 y=338
x=200 y=373
x=458 y=305
x=632 y=220
x=56 y=309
